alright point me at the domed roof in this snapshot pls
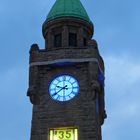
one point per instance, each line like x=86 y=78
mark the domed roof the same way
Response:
x=68 y=8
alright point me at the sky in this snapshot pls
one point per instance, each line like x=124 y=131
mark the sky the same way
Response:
x=117 y=32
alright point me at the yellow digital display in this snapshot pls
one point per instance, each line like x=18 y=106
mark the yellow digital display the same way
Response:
x=64 y=133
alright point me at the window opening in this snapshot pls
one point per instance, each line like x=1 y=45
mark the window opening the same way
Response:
x=72 y=39
x=58 y=40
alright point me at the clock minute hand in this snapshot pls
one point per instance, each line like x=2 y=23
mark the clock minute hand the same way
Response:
x=59 y=90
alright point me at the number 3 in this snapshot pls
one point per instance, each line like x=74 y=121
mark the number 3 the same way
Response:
x=61 y=134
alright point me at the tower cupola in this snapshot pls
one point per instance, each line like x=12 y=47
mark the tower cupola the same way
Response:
x=67 y=25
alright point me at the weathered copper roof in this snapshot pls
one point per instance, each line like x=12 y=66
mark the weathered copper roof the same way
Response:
x=68 y=8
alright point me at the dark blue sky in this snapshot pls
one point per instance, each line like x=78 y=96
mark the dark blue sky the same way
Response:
x=118 y=34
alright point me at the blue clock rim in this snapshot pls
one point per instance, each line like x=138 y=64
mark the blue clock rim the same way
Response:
x=61 y=74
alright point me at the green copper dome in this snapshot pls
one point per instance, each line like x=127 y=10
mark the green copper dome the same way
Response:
x=68 y=8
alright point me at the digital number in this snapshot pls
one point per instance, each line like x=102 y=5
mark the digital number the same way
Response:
x=61 y=134
x=66 y=134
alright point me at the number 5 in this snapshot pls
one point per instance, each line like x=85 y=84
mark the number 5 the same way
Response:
x=68 y=134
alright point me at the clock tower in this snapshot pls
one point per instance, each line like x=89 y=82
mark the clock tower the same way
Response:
x=66 y=78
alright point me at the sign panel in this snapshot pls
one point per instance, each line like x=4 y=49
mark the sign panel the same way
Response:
x=64 y=133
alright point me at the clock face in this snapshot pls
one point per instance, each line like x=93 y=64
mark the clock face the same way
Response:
x=63 y=88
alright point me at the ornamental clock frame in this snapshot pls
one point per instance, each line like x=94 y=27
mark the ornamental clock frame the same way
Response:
x=66 y=80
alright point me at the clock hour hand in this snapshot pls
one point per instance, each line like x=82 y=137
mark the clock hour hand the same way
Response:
x=59 y=86
x=62 y=87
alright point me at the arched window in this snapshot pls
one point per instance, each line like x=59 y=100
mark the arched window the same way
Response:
x=72 y=39
x=58 y=40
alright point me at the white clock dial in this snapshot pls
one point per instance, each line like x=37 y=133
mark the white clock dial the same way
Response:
x=63 y=88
